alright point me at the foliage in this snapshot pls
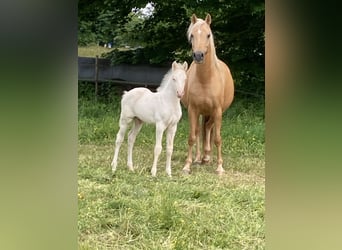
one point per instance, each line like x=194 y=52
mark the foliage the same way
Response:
x=100 y=21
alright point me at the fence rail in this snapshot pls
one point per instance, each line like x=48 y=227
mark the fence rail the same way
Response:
x=97 y=70
x=101 y=70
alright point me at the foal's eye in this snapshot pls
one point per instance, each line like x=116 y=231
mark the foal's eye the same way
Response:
x=191 y=36
x=208 y=36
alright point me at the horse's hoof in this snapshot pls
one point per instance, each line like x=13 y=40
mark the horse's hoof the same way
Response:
x=205 y=160
x=186 y=171
x=197 y=162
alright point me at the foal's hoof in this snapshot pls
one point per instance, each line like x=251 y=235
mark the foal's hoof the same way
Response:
x=220 y=172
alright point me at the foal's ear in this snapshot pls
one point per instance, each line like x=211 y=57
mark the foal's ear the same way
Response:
x=208 y=19
x=174 y=66
x=185 y=65
x=193 y=18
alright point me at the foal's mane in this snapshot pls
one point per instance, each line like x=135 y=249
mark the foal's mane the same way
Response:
x=198 y=23
x=165 y=81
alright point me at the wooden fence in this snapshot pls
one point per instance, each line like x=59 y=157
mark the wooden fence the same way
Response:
x=100 y=70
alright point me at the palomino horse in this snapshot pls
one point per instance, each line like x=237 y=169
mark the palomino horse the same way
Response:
x=209 y=91
x=162 y=108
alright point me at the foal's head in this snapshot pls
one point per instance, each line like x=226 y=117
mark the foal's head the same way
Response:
x=178 y=77
x=200 y=37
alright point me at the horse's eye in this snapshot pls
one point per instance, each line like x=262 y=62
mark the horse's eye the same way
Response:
x=191 y=36
x=208 y=36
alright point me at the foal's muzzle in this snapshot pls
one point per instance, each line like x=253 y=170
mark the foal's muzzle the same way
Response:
x=198 y=56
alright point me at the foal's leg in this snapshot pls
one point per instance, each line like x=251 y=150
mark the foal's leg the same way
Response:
x=158 y=147
x=119 y=139
x=132 y=135
x=170 y=136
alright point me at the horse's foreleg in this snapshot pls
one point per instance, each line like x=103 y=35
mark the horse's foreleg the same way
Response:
x=198 y=146
x=132 y=135
x=158 y=147
x=218 y=143
x=171 y=131
x=208 y=124
x=193 y=121
x=119 y=139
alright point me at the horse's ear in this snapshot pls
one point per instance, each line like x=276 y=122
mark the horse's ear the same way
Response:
x=185 y=65
x=193 y=18
x=208 y=19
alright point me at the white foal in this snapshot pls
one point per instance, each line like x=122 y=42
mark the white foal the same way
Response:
x=162 y=108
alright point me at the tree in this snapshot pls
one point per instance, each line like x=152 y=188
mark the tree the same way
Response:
x=102 y=20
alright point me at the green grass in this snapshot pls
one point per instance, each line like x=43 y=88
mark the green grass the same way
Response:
x=93 y=51
x=200 y=211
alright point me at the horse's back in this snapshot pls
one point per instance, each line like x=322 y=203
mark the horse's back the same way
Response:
x=134 y=102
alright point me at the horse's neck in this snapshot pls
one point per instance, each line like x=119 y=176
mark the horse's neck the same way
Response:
x=210 y=64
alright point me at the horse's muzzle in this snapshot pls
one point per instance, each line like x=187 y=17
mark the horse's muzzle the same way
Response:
x=198 y=56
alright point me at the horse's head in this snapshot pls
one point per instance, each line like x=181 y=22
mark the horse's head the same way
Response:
x=179 y=77
x=200 y=37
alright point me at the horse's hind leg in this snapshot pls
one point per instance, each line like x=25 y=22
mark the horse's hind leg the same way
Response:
x=132 y=135
x=119 y=139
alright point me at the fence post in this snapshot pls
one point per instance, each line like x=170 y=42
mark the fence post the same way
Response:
x=96 y=75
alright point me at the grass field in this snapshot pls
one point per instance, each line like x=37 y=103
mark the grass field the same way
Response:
x=92 y=51
x=200 y=211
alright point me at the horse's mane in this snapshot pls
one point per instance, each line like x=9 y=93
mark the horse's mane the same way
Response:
x=165 y=81
x=200 y=22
